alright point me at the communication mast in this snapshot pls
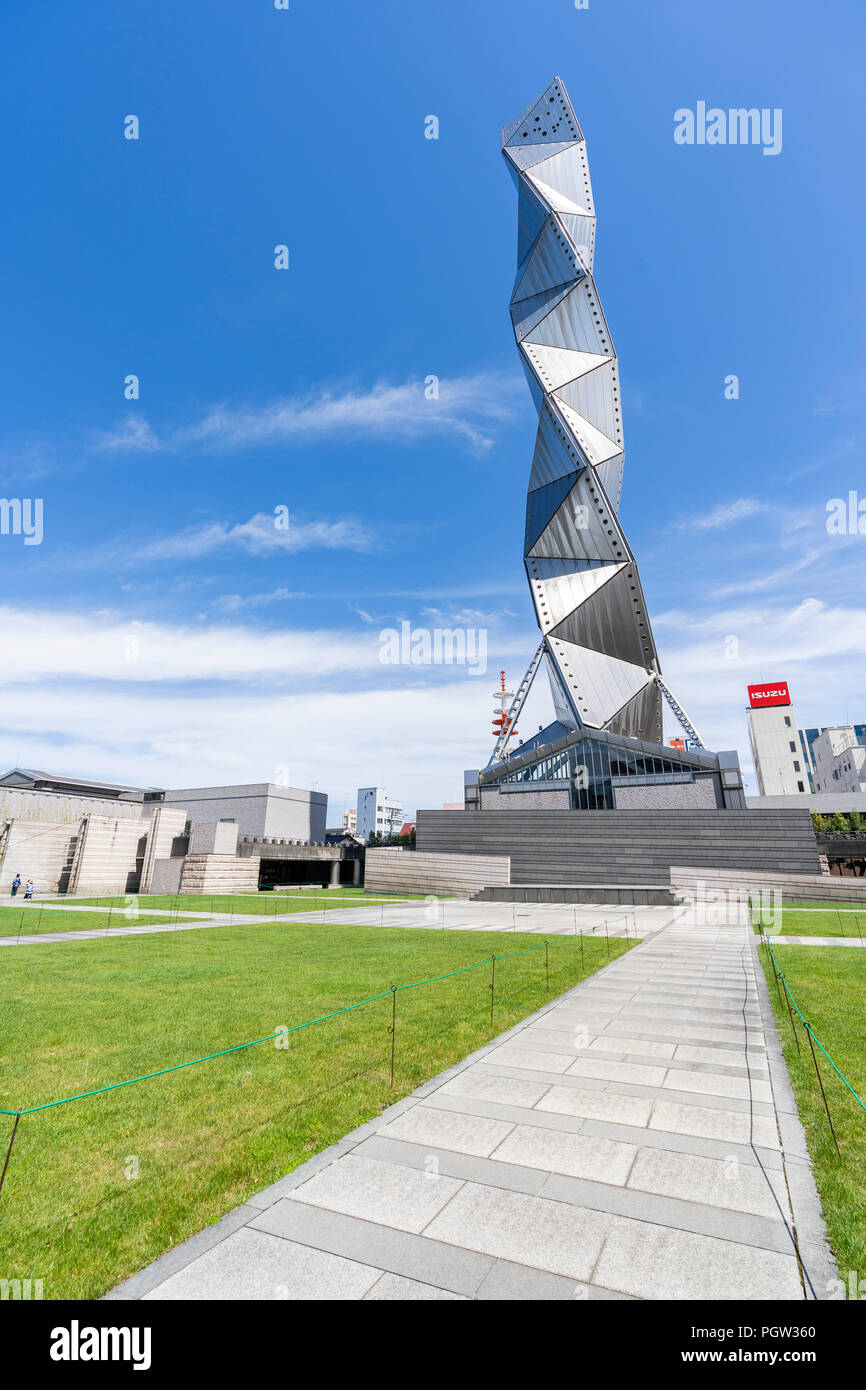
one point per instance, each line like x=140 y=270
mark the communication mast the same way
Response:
x=504 y=721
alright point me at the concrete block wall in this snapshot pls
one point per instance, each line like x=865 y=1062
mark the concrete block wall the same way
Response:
x=41 y=850
x=219 y=873
x=624 y=846
x=165 y=876
x=214 y=837
x=704 y=793
x=499 y=798
x=167 y=823
x=55 y=807
x=806 y=887
x=409 y=871
x=109 y=856
x=260 y=809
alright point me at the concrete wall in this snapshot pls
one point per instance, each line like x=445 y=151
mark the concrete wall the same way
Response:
x=408 y=871
x=704 y=794
x=166 y=826
x=623 y=846
x=18 y=802
x=503 y=799
x=260 y=808
x=214 y=837
x=165 y=876
x=109 y=856
x=219 y=873
x=41 y=850
x=825 y=802
x=805 y=887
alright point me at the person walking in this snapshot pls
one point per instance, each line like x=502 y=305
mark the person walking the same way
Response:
x=28 y=890
x=16 y=884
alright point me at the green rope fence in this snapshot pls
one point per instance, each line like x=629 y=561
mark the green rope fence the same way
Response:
x=393 y=991
x=812 y=1034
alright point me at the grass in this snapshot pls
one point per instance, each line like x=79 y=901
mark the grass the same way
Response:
x=830 y=988
x=204 y=1139
x=32 y=921
x=815 y=922
x=248 y=904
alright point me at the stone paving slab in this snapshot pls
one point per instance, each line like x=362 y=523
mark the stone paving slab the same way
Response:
x=636 y=1138
x=452 y=914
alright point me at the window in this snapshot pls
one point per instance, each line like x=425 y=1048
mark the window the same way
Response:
x=800 y=787
x=793 y=747
x=787 y=721
x=797 y=768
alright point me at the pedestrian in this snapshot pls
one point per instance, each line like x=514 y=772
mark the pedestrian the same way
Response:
x=28 y=890
x=16 y=884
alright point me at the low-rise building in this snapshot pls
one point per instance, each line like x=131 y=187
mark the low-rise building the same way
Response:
x=840 y=760
x=377 y=813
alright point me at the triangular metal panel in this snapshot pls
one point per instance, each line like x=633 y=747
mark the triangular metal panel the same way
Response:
x=599 y=685
x=609 y=620
x=510 y=130
x=557 y=201
x=576 y=322
x=555 y=454
x=581 y=232
x=584 y=528
x=610 y=474
x=551 y=262
x=525 y=155
x=534 y=384
x=532 y=214
x=562 y=704
x=557 y=366
x=548 y=121
x=558 y=587
x=542 y=503
x=597 y=447
x=641 y=717
x=526 y=313
x=568 y=173
x=595 y=396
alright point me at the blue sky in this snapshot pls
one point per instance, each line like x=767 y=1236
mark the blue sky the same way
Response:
x=164 y=632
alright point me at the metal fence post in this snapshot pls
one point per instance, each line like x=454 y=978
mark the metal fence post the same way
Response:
x=9 y=1150
x=821 y=1084
x=492 y=986
x=393 y=1029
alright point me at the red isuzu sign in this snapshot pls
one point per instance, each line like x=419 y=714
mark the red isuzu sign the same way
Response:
x=769 y=694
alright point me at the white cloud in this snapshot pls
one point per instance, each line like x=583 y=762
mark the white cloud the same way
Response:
x=132 y=434
x=259 y=536
x=233 y=603
x=467 y=407
x=764 y=582
x=725 y=514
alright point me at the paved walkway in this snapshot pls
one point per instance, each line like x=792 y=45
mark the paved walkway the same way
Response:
x=452 y=915
x=635 y=1139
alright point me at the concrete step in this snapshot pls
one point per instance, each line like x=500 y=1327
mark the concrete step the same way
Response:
x=636 y=894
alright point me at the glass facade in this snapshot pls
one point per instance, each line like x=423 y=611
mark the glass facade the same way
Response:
x=589 y=766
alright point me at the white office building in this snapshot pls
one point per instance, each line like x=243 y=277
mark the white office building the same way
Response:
x=840 y=760
x=780 y=764
x=377 y=813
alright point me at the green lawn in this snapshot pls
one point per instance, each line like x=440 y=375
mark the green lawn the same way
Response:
x=797 y=921
x=205 y=1138
x=30 y=921
x=830 y=988
x=264 y=904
